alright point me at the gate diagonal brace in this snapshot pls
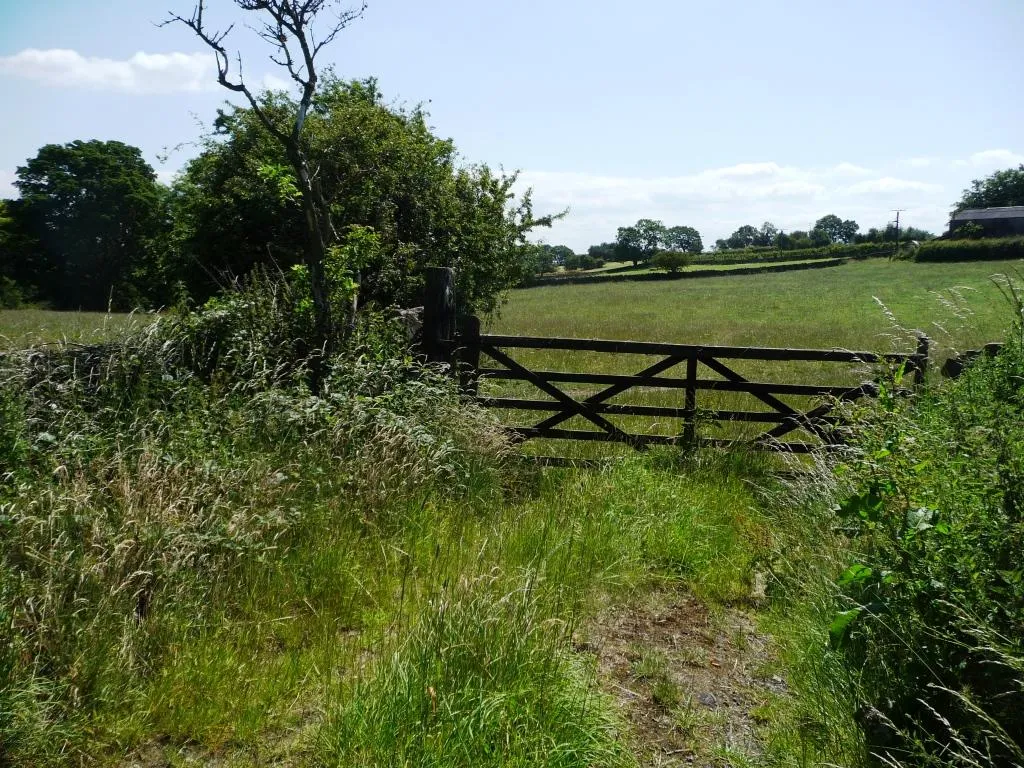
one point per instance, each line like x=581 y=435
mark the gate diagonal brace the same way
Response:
x=574 y=405
x=828 y=436
x=615 y=389
x=770 y=400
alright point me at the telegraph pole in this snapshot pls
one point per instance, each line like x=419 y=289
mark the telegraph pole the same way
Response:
x=898 y=211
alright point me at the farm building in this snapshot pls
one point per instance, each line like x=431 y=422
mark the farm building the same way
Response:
x=995 y=222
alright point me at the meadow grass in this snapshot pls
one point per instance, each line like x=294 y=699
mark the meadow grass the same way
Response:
x=336 y=583
x=234 y=570
x=870 y=305
x=20 y=328
x=626 y=268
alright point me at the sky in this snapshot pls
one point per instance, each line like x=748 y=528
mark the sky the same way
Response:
x=711 y=114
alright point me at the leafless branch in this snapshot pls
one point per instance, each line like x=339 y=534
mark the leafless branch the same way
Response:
x=215 y=41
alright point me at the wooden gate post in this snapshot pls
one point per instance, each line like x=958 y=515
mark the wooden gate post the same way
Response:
x=439 y=315
x=921 y=359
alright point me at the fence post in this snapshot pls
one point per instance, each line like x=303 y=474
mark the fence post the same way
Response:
x=690 y=431
x=439 y=314
x=469 y=355
x=921 y=359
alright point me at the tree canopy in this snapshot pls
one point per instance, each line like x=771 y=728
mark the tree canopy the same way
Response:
x=834 y=230
x=89 y=218
x=643 y=240
x=378 y=166
x=1002 y=188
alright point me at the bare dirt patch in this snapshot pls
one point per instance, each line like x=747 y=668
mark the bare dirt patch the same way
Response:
x=689 y=680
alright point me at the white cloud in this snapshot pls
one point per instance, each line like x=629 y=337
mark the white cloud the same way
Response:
x=718 y=200
x=275 y=83
x=921 y=162
x=165 y=176
x=888 y=185
x=141 y=73
x=7 y=188
x=849 y=169
x=995 y=158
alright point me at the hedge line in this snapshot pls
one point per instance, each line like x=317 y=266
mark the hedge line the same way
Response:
x=971 y=250
x=686 y=275
x=758 y=255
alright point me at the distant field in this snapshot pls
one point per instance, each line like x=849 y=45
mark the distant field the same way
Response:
x=616 y=269
x=956 y=304
x=29 y=327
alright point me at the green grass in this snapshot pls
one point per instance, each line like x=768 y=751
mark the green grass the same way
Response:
x=20 y=328
x=869 y=305
x=828 y=308
x=338 y=584
x=702 y=267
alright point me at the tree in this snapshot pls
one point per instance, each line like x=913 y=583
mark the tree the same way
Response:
x=820 y=238
x=685 y=239
x=744 y=237
x=288 y=26
x=672 y=261
x=603 y=252
x=888 y=235
x=767 y=234
x=1002 y=188
x=834 y=230
x=96 y=211
x=559 y=253
x=379 y=167
x=651 y=235
x=640 y=242
x=628 y=245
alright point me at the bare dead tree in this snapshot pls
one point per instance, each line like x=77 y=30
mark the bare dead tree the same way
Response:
x=288 y=26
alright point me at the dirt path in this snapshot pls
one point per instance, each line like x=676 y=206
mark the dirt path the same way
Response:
x=691 y=682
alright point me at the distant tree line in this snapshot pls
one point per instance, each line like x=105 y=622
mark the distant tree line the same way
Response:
x=828 y=230
x=93 y=227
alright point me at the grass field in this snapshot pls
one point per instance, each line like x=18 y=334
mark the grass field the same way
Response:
x=617 y=269
x=867 y=306
x=271 y=583
x=29 y=327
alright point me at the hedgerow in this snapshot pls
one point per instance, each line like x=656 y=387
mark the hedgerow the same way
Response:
x=931 y=614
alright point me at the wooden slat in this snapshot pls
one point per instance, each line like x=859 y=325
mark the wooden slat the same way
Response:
x=685 y=350
x=660 y=382
x=617 y=389
x=627 y=409
x=817 y=415
x=582 y=409
x=765 y=446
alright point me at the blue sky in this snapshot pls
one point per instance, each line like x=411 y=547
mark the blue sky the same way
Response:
x=710 y=114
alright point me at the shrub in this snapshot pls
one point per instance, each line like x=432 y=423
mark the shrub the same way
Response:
x=933 y=623
x=985 y=249
x=672 y=261
x=769 y=254
x=10 y=294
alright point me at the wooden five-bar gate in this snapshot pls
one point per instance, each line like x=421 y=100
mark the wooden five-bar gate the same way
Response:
x=683 y=368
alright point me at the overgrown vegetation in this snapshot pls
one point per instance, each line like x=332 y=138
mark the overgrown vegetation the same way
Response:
x=919 y=584
x=199 y=554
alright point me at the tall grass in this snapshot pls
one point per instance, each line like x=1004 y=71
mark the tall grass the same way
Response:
x=201 y=556
x=920 y=591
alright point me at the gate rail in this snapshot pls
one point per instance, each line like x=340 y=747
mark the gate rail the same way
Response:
x=464 y=348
